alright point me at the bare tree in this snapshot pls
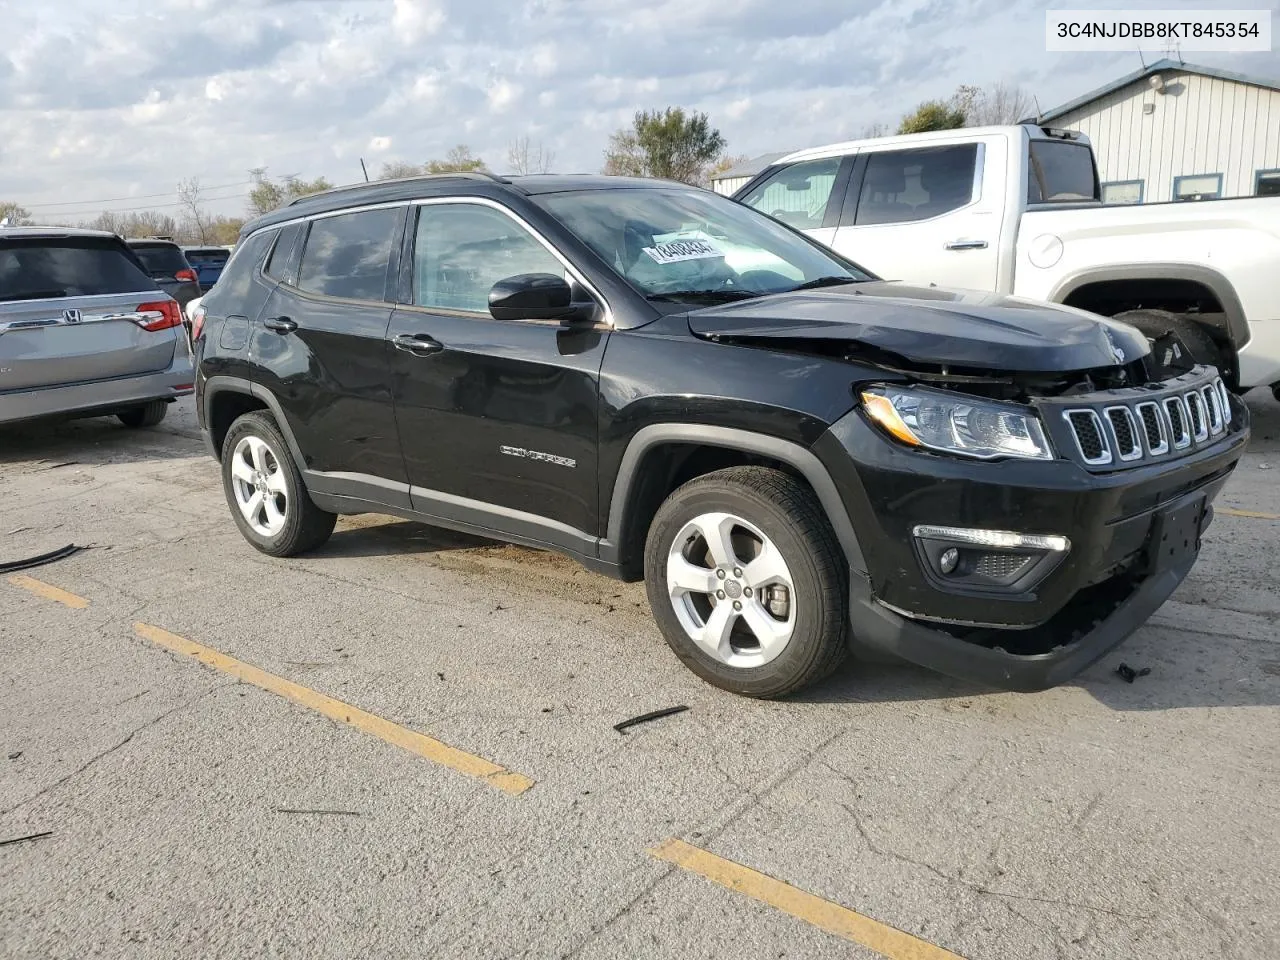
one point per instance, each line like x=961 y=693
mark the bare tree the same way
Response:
x=524 y=158
x=457 y=160
x=997 y=105
x=397 y=169
x=873 y=130
x=189 y=196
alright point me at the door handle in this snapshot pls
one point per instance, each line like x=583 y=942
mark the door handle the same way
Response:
x=967 y=245
x=280 y=324
x=419 y=344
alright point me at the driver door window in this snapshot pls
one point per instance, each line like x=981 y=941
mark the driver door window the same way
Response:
x=797 y=194
x=462 y=249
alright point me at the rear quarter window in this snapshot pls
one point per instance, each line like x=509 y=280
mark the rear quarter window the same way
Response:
x=233 y=287
x=37 y=268
x=1061 y=171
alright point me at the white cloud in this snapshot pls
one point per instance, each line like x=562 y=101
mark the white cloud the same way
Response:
x=304 y=87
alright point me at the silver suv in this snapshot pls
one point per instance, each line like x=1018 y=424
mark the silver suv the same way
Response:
x=84 y=331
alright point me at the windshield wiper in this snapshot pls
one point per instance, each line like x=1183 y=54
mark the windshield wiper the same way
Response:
x=824 y=282
x=33 y=295
x=707 y=296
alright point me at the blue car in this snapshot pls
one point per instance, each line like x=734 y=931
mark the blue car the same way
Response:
x=208 y=263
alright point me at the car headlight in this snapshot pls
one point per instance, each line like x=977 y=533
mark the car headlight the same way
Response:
x=955 y=423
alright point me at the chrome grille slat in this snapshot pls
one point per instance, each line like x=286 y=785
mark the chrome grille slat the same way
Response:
x=1116 y=429
x=1199 y=420
x=1159 y=446
x=1124 y=433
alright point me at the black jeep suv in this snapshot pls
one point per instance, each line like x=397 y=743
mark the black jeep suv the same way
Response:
x=794 y=455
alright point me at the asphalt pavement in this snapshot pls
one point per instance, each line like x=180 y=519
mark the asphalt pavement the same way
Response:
x=403 y=746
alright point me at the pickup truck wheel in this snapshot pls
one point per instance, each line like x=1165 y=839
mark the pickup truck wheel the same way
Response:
x=147 y=415
x=268 y=499
x=1156 y=323
x=747 y=583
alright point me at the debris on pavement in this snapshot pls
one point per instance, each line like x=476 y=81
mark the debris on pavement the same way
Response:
x=646 y=717
x=15 y=755
x=9 y=566
x=1128 y=674
x=28 y=837
x=327 y=813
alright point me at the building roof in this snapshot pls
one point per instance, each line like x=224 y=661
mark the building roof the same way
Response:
x=1160 y=66
x=748 y=168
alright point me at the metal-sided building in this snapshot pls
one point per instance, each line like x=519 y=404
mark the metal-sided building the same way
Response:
x=1175 y=131
x=728 y=181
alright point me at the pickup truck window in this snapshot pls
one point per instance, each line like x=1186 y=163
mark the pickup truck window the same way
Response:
x=797 y=194
x=904 y=185
x=461 y=250
x=690 y=245
x=1061 y=171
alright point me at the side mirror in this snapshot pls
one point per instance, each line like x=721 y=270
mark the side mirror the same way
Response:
x=531 y=296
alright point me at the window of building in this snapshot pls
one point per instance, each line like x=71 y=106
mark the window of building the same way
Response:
x=798 y=193
x=1267 y=184
x=348 y=255
x=1122 y=191
x=1203 y=186
x=462 y=249
x=905 y=185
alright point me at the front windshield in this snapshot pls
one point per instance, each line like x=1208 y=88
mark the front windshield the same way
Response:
x=691 y=245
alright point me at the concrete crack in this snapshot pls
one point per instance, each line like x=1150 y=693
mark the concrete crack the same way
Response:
x=113 y=748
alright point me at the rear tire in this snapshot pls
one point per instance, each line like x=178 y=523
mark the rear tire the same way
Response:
x=264 y=489
x=714 y=604
x=1156 y=323
x=147 y=415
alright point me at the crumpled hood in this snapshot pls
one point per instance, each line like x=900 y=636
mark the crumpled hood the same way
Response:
x=931 y=325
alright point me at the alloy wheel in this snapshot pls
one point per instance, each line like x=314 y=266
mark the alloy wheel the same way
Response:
x=258 y=482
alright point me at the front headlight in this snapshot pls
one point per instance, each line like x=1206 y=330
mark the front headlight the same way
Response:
x=954 y=423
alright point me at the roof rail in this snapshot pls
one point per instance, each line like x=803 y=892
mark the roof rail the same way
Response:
x=470 y=175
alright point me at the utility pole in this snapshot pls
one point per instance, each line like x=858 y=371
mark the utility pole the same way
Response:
x=365 y=169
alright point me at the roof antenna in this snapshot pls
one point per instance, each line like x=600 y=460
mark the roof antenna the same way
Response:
x=365 y=170
x=1142 y=58
x=1039 y=112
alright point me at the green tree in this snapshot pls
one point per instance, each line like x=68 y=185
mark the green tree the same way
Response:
x=669 y=144
x=268 y=194
x=457 y=160
x=933 y=115
x=16 y=215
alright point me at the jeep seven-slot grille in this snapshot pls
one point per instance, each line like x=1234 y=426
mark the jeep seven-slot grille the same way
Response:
x=1141 y=429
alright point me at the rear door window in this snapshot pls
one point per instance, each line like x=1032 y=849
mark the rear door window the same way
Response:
x=904 y=185
x=348 y=255
x=40 y=268
x=1061 y=171
x=797 y=194
x=161 y=258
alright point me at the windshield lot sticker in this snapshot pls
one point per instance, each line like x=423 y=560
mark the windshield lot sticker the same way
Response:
x=676 y=251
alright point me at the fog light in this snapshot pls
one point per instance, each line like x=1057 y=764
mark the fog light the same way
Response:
x=947 y=562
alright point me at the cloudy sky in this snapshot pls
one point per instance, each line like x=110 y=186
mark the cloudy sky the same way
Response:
x=121 y=99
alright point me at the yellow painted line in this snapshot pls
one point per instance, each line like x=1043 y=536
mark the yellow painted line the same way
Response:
x=426 y=747
x=1230 y=512
x=883 y=939
x=49 y=592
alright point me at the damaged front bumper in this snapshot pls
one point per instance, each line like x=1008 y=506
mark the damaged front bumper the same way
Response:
x=1017 y=574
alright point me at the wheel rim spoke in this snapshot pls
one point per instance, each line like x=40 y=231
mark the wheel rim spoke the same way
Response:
x=258 y=451
x=275 y=516
x=253 y=508
x=718 y=629
x=767 y=568
x=241 y=470
x=686 y=577
x=769 y=632
x=717 y=531
x=276 y=484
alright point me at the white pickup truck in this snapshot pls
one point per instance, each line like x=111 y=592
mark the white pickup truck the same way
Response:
x=1016 y=210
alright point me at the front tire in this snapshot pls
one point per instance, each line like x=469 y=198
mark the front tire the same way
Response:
x=265 y=491
x=747 y=582
x=1157 y=323
x=147 y=415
